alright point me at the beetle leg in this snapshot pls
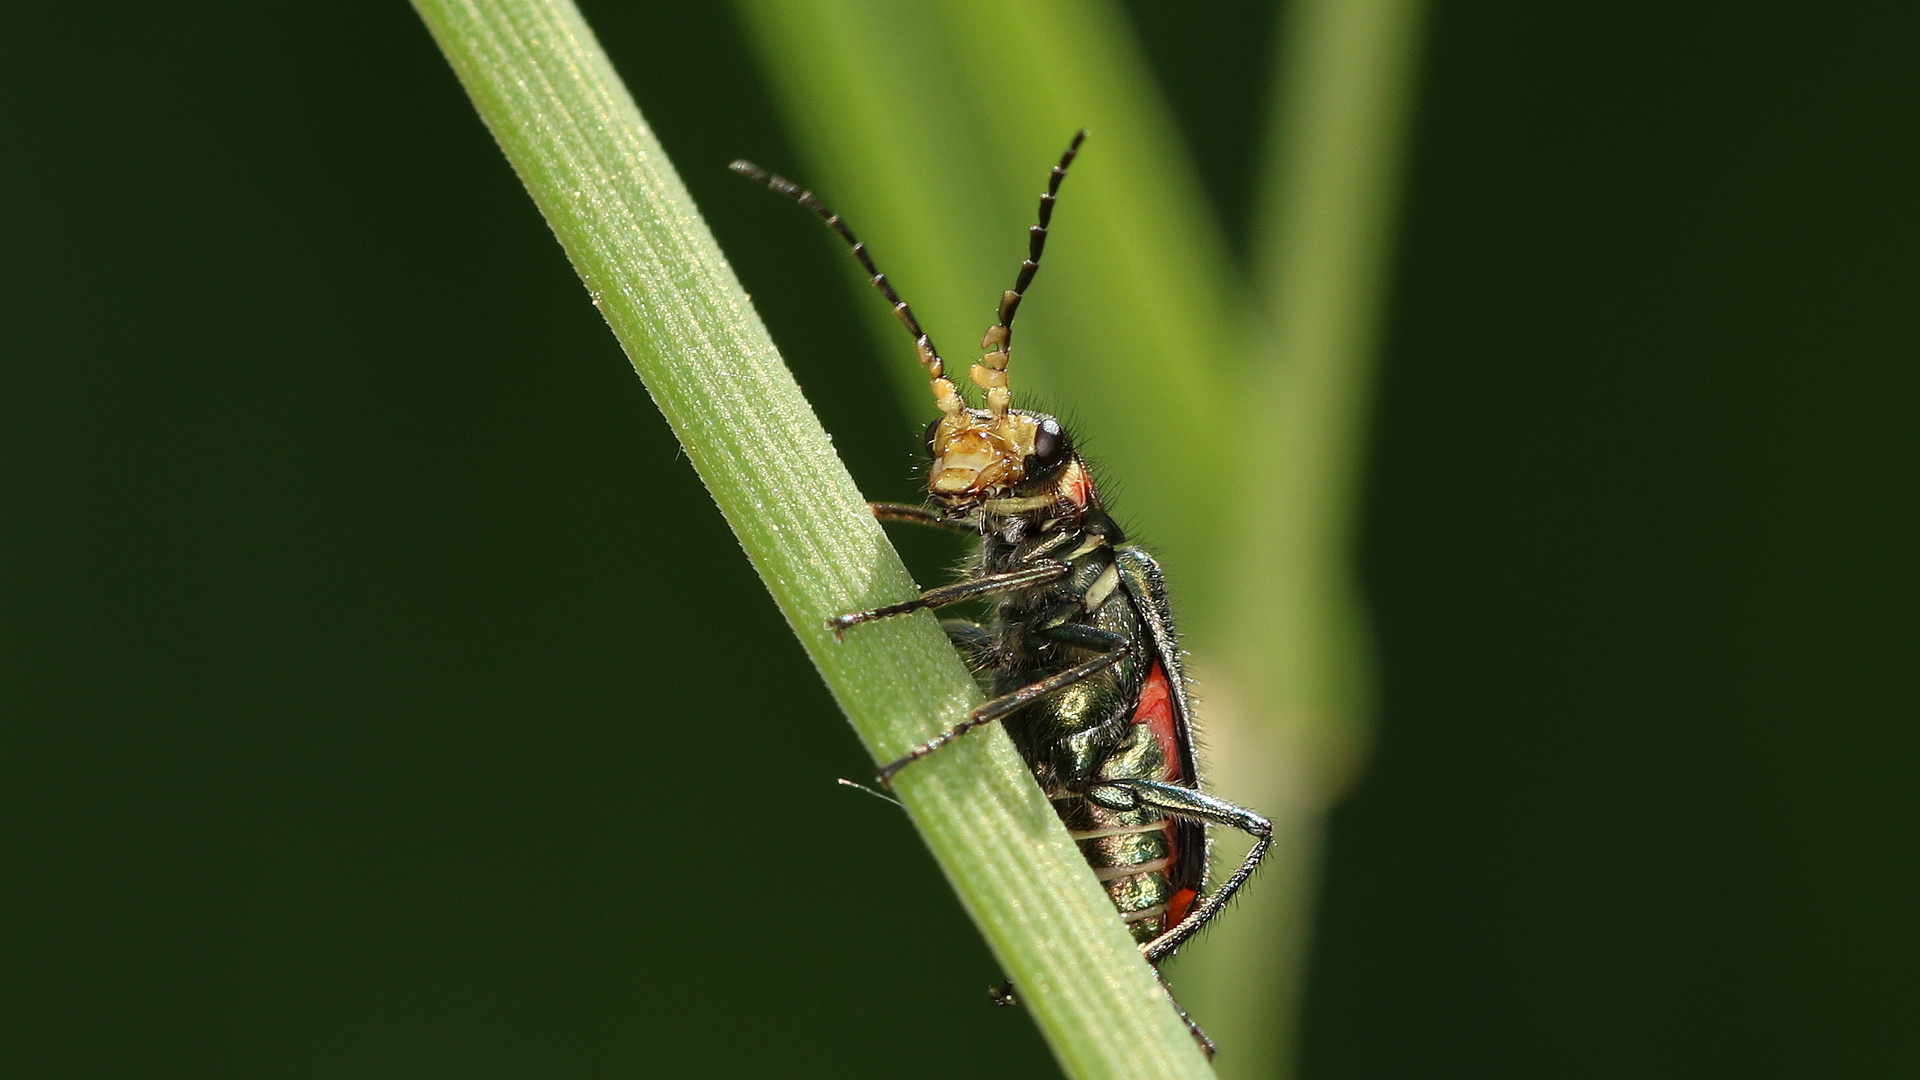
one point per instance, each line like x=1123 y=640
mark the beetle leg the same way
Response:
x=953 y=594
x=1003 y=995
x=909 y=514
x=1199 y=1036
x=1086 y=637
x=997 y=708
x=1195 y=805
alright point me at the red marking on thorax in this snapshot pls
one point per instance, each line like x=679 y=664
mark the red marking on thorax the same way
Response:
x=1079 y=488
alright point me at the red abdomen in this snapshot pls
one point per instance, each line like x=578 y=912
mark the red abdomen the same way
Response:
x=1155 y=711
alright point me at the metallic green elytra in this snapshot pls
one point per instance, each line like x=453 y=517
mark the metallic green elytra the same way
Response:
x=1080 y=657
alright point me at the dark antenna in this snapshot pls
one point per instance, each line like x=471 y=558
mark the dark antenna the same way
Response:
x=1000 y=335
x=780 y=185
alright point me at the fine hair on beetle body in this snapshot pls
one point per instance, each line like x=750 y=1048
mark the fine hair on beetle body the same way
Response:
x=1079 y=656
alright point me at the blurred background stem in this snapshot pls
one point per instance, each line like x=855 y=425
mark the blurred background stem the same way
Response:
x=1290 y=681
x=1228 y=417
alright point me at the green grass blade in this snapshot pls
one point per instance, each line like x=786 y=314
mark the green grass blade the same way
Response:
x=576 y=139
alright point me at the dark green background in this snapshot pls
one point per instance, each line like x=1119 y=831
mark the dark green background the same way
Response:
x=382 y=696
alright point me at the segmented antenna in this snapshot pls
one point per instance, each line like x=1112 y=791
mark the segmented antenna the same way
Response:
x=991 y=372
x=944 y=391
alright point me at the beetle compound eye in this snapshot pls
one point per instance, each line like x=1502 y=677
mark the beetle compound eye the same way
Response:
x=933 y=429
x=1051 y=444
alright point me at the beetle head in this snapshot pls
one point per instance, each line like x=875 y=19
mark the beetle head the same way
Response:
x=1015 y=462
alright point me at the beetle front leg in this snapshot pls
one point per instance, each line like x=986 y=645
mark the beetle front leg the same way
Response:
x=909 y=514
x=1194 y=805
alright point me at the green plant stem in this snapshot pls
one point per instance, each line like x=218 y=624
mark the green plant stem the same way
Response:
x=573 y=134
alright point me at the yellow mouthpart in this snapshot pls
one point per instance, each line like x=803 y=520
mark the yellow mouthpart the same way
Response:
x=979 y=455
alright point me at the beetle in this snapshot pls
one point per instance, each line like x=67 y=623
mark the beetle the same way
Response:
x=1081 y=658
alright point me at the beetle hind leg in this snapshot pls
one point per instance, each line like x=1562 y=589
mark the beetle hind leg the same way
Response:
x=1003 y=995
x=1194 y=1029
x=1194 y=805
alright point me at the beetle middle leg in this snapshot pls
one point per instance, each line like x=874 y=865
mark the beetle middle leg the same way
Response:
x=1024 y=578
x=1004 y=705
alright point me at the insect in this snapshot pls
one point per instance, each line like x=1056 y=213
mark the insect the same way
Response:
x=1081 y=657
